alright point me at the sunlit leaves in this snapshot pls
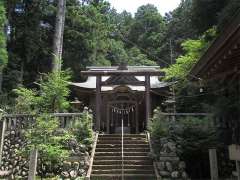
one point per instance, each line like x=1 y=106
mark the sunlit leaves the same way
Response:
x=3 y=50
x=193 y=51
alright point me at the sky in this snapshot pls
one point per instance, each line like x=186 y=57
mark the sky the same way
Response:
x=132 y=5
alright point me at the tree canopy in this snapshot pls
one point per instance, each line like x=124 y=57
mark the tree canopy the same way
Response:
x=96 y=34
x=3 y=50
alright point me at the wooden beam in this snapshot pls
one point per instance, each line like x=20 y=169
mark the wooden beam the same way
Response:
x=136 y=115
x=98 y=103
x=147 y=99
x=33 y=165
x=108 y=119
x=213 y=164
x=140 y=83
x=221 y=75
x=123 y=72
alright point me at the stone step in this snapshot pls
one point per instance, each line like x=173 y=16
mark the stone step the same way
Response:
x=126 y=177
x=107 y=164
x=120 y=135
x=120 y=146
x=120 y=149
x=126 y=162
x=120 y=138
x=120 y=158
x=102 y=154
x=118 y=166
x=126 y=171
x=120 y=142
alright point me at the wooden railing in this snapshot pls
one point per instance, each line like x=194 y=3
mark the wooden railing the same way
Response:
x=88 y=176
x=13 y=121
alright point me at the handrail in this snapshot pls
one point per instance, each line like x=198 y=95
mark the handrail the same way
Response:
x=152 y=152
x=122 y=152
x=89 y=172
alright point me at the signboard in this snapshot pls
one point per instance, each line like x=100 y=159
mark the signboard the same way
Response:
x=234 y=152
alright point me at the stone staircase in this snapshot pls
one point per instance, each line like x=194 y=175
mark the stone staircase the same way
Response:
x=107 y=164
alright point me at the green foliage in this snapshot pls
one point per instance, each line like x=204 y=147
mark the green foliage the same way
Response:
x=158 y=126
x=82 y=127
x=205 y=14
x=139 y=59
x=117 y=54
x=193 y=136
x=27 y=101
x=54 y=92
x=46 y=137
x=147 y=31
x=95 y=34
x=230 y=10
x=193 y=51
x=3 y=50
x=29 y=42
x=86 y=36
x=52 y=96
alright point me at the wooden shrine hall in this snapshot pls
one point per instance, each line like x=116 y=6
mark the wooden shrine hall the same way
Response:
x=128 y=93
x=220 y=66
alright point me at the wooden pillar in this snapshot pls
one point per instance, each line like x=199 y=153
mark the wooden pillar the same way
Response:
x=33 y=165
x=147 y=99
x=98 y=103
x=136 y=118
x=213 y=164
x=2 y=134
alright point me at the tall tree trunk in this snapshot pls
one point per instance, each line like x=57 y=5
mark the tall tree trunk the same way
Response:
x=58 y=35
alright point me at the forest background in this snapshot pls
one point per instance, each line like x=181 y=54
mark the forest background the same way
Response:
x=95 y=34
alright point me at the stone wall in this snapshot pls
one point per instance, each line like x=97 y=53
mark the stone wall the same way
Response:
x=78 y=163
x=168 y=163
x=12 y=161
x=15 y=166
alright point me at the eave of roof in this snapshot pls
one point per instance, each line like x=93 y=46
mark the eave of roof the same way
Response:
x=216 y=47
x=91 y=84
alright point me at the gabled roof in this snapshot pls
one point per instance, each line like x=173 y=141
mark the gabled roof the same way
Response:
x=111 y=82
x=223 y=55
x=91 y=84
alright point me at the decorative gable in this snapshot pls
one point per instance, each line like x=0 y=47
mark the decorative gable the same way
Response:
x=121 y=80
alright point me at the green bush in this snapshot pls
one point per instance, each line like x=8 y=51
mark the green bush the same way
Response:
x=159 y=126
x=193 y=136
x=82 y=127
x=46 y=137
x=51 y=96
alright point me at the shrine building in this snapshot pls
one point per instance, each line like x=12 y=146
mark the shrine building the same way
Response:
x=123 y=94
x=219 y=66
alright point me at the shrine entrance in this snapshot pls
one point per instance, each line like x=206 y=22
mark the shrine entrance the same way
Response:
x=122 y=93
x=123 y=110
